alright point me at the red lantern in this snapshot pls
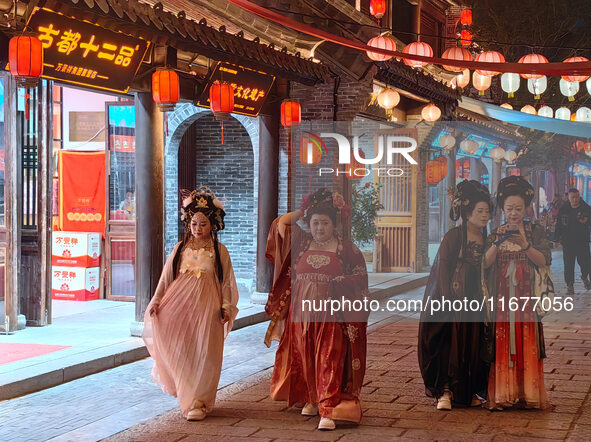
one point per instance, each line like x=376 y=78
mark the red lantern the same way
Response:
x=513 y=171
x=165 y=89
x=466 y=17
x=351 y=169
x=377 y=8
x=456 y=53
x=221 y=102
x=311 y=148
x=572 y=78
x=580 y=145
x=433 y=172
x=465 y=38
x=25 y=55
x=417 y=48
x=291 y=113
x=532 y=58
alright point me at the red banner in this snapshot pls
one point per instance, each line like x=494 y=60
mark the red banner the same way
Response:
x=82 y=191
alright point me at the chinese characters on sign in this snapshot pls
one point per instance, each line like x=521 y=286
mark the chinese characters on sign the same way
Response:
x=250 y=87
x=82 y=53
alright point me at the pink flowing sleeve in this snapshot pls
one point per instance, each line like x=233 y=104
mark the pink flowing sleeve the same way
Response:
x=229 y=289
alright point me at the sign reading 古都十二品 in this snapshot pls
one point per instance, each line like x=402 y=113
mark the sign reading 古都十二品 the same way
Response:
x=83 y=53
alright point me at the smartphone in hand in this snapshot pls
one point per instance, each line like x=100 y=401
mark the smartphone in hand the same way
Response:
x=512 y=229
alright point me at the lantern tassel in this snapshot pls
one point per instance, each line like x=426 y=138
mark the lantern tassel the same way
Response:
x=222 y=131
x=480 y=92
x=166 y=122
x=571 y=98
x=511 y=95
x=27 y=106
x=537 y=97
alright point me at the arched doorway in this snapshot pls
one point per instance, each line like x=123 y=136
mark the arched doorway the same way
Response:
x=194 y=156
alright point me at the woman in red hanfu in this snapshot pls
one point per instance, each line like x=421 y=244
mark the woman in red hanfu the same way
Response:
x=320 y=361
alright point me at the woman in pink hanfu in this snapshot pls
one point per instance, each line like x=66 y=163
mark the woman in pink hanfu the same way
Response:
x=193 y=309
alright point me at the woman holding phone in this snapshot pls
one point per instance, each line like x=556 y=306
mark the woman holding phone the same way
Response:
x=513 y=251
x=193 y=308
x=452 y=345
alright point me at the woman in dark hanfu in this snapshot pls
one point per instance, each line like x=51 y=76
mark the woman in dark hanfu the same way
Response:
x=453 y=348
x=320 y=361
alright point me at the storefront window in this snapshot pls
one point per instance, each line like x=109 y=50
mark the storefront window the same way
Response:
x=123 y=267
x=121 y=142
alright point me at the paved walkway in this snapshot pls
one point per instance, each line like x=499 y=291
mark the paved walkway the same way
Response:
x=393 y=397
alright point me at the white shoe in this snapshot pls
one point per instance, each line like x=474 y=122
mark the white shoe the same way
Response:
x=326 y=424
x=309 y=409
x=444 y=402
x=196 y=414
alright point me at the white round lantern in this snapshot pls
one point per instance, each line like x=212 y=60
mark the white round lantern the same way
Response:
x=527 y=109
x=569 y=89
x=447 y=142
x=510 y=156
x=507 y=106
x=545 y=111
x=537 y=86
x=431 y=113
x=388 y=98
x=497 y=153
x=510 y=83
x=469 y=146
x=583 y=114
x=562 y=113
x=462 y=80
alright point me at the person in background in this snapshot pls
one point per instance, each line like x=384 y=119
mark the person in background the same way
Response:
x=572 y=231
x=128 y=204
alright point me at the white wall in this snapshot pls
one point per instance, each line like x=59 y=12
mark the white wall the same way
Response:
x=77 y=100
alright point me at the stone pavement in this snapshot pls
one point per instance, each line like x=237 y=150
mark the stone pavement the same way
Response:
x=393 y=398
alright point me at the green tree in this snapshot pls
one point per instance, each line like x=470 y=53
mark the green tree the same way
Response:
x=366 y=204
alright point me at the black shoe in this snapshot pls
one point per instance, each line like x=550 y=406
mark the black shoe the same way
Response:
x=570 y=289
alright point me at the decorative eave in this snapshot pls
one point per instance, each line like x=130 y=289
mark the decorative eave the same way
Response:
x=397 y=74
x=163 y=28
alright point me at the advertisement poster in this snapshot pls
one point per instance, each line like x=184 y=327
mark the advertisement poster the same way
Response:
x=82 y=191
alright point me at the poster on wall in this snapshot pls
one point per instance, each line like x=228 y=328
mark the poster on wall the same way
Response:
x=82 y=191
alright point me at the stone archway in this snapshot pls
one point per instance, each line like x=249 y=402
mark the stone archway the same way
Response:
x=179 y=121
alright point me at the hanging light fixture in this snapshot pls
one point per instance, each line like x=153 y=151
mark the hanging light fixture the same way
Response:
x=25 y=55
x=537 y=86
x=510 y=156
x=221 y=102
x=462 y=80
x=466 y=17
x=577 y=78
x=546 y=111
x=510 y=83
x=388 y=98
x=583 y=114
x=381 y=42
x=528 y=109
x=447 y=142
x=532 y=58
x=433 y=172
x=490 y=57
x=469 y=146
x=431 y=113
x=497 y=153
x=569 y=89
x=165 y=89
x=291 y=113
x=465 y=38
x=458 y=54
x=377 y=8
x=507 y=106
x=481 y=82
x=417 y=48
x=562 y=113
